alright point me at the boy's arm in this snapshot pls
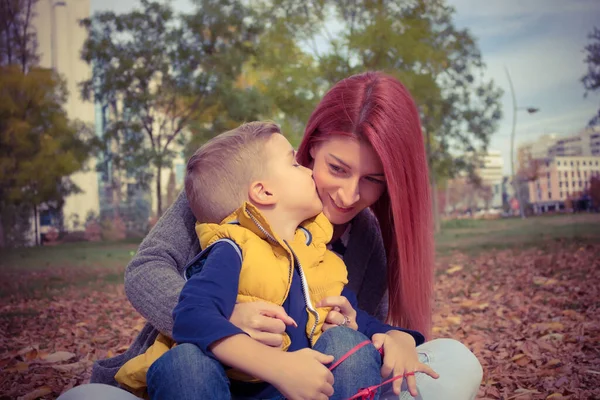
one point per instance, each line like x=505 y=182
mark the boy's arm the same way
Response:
x=207 y=300
x=369 y=325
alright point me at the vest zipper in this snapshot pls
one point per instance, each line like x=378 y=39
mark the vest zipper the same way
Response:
x=306 y=293
x=274 y=241
x=303 y=282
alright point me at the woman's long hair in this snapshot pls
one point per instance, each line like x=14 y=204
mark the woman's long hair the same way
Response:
x=377 y=108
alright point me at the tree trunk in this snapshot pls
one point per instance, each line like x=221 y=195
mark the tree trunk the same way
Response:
x=434 y=200
x=158 y=193
x=2 y=242
x=35 y=224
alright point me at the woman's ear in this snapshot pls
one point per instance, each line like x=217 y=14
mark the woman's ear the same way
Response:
x=260 y=194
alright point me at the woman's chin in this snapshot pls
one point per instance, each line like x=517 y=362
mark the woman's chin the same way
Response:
x=335 y=218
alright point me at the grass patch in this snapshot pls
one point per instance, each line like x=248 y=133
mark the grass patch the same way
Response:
x=475 y=236
x=71 y=255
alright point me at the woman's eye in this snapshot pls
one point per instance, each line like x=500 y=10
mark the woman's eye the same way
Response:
x=296 y=165
x=375 y=180
x=336 y=169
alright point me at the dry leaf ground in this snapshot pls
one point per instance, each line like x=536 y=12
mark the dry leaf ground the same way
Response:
x=529 y=308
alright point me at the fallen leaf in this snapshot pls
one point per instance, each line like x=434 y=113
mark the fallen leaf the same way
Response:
x=19 y=367
x=553 y=336
x=521 y=359
x=453 y=269
x=543 y=281
x=552 y=363
x=453 y=319
x=59 y=356
x=76 y=366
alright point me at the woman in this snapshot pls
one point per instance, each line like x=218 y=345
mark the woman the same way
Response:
x=365 y=145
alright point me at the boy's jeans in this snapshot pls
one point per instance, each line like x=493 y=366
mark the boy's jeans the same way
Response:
x=460 y=376
x=186 y=373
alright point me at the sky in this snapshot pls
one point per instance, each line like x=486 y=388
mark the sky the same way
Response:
x=540 y=42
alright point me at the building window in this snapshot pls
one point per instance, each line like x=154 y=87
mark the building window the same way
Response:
x=548 y=175
x=549 y=196
x=567 y=184
x=580 y=184
x=558 y=163
x=572 y=174
x=571 y=163
x=584 y=163
x=561 y=195
x=559 y=184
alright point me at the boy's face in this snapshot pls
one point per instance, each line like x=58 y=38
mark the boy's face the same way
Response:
x=292 y=183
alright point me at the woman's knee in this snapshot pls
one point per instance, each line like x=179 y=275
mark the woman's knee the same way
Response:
x=96 y=391
x=449 y=357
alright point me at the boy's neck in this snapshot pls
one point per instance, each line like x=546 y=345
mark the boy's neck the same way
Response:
x=282 y=224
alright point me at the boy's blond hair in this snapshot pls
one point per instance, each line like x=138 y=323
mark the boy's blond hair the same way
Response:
x=218 y=174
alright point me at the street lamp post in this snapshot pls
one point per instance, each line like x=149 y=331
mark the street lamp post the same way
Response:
x=530 y=110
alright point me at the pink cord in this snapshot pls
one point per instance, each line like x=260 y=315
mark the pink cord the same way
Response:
x=367 y=393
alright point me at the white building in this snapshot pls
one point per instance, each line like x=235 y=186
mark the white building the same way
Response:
x=540 y=148
x=461 y=195
x=490 y=173
x=60 y=40
x=584 y=143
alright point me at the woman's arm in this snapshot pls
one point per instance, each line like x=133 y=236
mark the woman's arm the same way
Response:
x=153 y=278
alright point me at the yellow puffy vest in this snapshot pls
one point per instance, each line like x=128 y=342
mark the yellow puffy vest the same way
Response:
x=268 y=261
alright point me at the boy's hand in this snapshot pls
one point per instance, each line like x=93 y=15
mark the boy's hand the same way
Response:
x=264 y=322
x=400 y=357
x=302 y=375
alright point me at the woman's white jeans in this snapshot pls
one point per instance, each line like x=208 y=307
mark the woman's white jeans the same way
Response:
x=460 y=373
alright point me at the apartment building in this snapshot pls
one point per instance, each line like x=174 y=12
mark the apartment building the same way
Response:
x=60 y=40
x=562 y=178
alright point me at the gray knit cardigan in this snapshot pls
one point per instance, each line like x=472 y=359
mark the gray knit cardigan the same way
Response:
x=153 y=278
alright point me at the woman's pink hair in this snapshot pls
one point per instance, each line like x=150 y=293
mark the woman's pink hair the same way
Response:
x=377 y=108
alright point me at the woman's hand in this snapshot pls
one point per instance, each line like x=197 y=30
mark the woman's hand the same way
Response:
x=400 y=357
x=264 y=322
x=342 y=313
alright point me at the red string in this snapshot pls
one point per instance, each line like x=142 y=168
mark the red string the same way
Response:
x=367 y=393
x=349 y=353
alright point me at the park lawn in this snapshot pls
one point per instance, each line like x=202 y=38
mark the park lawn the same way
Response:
x=523 y=295
x=474 y=236
x=41 y=271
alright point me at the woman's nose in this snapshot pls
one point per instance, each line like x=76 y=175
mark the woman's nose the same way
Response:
x=349 y=194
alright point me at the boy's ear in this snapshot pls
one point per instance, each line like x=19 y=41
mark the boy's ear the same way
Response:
x=260 y=194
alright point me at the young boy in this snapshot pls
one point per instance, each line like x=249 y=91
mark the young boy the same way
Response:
x=272 y=248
